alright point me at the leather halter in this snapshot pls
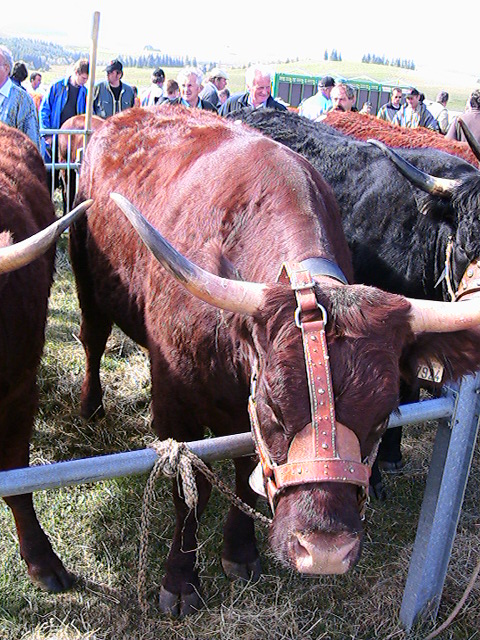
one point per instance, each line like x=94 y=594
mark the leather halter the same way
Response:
x=470 y=281
x=324 y=450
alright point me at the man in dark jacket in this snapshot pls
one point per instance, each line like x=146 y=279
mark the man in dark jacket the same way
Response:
x=217 y=81
x=112 y=95
x=190 y=82
x=258 y=80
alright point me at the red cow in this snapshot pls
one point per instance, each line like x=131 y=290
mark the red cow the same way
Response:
x=241 y=205
x=364 y=127
x=68 y=147
x=26 y=272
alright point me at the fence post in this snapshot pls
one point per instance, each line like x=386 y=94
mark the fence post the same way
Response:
x=442 y=504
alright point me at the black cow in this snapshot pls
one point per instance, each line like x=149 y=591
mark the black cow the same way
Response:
x=404 y=237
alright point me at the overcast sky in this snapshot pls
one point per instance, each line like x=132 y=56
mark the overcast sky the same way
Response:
x=257 y=29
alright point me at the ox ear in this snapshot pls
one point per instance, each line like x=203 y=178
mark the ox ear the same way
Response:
x=449 y=355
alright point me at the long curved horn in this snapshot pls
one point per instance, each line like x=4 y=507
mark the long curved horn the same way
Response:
x=231 y=295
x=22 y=253
x=442 y=187
x=472 y=141
x=444 y=317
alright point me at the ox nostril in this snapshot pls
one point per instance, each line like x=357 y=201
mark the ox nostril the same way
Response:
x=322 y=553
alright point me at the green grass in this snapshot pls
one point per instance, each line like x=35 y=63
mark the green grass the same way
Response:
x=95 y=530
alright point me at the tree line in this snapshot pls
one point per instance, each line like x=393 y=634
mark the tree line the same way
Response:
x=371 y=58
x=39 y=55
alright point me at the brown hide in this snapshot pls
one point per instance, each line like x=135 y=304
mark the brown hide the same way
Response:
x=238 y=205
x=77 y=139
x=25 y=209
x=363 y=126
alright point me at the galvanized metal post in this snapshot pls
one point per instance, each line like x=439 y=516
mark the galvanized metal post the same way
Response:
x=442 y=504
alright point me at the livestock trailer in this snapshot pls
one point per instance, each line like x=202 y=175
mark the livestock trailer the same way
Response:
x=293 y=88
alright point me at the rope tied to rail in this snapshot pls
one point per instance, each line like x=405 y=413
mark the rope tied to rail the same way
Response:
x=176 y=460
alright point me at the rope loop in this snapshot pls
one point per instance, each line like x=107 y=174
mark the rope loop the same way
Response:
x=176 y=460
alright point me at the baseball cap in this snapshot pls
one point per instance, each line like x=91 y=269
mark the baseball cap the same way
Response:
x=114 y=65
x=218 y=73
x=327 y=81
x=412 y=92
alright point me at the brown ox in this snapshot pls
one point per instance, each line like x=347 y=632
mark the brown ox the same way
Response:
x=240 y=205
x=363 y=127
x=68 y=148
x=26 y=272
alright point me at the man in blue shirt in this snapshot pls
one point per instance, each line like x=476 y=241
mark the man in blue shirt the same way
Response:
x=65 y=98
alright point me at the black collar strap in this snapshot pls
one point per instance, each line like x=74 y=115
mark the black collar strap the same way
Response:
x=323 y=267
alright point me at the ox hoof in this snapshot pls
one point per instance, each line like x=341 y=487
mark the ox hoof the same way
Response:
x=392 y=468
x=92 y=415
x=178 y=604
x=55 y=582
x=378 y=491
x=249 y=571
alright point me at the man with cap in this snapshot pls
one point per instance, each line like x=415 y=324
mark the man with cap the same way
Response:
x=155 y=91
x=112 y=95
x=315 y=106
x=414 y=113
x=217 y=80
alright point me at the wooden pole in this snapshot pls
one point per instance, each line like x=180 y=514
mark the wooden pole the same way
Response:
x=91 y=77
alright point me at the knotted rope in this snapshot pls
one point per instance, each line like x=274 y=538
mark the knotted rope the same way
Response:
x=176 y=460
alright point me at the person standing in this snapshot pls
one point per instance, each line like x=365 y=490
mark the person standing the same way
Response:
x=112 y=95
x=217 y=81
x=471 y=117
x=17 y=108
x=414 y=113
x=389 y=111
x=258 y=80
x=439 y=111
x=155 y=91
x=190 y=84
x=343 y=97
x=65 y=98
x=317 y=105
x=35 y=82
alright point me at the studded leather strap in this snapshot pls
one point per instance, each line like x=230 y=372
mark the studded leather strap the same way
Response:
x=324 y=450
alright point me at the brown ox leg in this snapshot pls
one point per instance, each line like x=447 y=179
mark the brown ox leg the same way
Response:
x=94 y=333
x=16 y=419
x=240 y=559
x=44 y=567
x=180 y=593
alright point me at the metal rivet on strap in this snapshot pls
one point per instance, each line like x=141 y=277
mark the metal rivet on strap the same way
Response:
x=470 y=273
x=324 y=445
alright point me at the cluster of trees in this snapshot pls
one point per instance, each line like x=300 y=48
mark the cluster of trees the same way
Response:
x=39 y=55
x=334 y=55
x=371 y=58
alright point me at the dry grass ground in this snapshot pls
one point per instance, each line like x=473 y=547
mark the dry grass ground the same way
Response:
x=95 y=530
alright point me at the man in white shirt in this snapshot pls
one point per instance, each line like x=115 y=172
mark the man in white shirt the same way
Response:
x=320 y=103
x=155 y=91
